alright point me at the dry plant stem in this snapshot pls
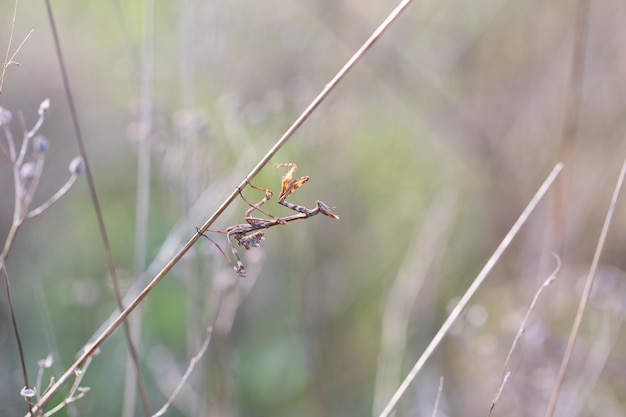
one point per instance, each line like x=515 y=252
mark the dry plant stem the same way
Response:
x=6 y=57
x=142 y=210
x=190 y=188
x=439 y=391
x=31 y=188
x=39 y=379
x=79 y=373
x=11 y=151
x=43 y=365
x=22 y=196
x=16 y=206
x=144 y=145
x=8 y=61
x=426 y=250
x=170 y=245
x=456 y=312
x=96 y=205
x=309 y=110
x=45 y=206
x=29 y=134
x=17 y=216
x=570 y=120
x=192 y=364
x=15 y=327
x=5 y=151
x=604 y=340
x=585 y=295
x=88 y=352
x=520 y=332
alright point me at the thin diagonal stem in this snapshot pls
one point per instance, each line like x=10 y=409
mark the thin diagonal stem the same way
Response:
x=89 y=351
x=7 y=286
x=585 y=295
x=480 y=278
x=570 y=120
x=522 y=329
x=142 y=209
x=310 y=109
x=96 y=205
x=192 y=364
x=56 y=197
x=6 y=58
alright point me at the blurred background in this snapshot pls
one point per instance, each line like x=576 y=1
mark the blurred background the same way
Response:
x=428 y=150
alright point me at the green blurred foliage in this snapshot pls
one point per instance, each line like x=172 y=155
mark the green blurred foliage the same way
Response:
x=458 y=108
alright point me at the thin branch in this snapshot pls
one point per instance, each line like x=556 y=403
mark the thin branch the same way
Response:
x=42 y=111
x=11 y=152
x=506 y=374
x=192 y=364
x=45 y=399
x=6 y=57
x=605 y=337
x=188 y=137
x=7 y=286
x=585 y=295
x=439 y=391
x=426 y=250
x=44 y=364
x=456 y=312
x=142 y=209
x=96 y=205
x=570 y=120
x=5 y=151
x=19 y=47
x=45 y=206
x=72 y=396
x=309 y=110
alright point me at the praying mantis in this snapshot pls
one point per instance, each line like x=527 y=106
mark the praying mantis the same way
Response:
x=252 y=233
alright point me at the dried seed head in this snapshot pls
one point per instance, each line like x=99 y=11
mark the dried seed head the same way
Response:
x=28 y=171
x=44 y=107
x=40 y=144
x=5 y=116
x=28 y=392
x=46 y=362
x=77 y=165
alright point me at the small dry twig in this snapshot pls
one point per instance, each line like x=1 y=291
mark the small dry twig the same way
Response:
x=439 y=391
x=456 y=312
x=27 y=172
x=63 y=380
x=428 y=247
x=585 y=295
x=98 y=211
x=11 y=60
x=520 y=332
x=192 y=364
